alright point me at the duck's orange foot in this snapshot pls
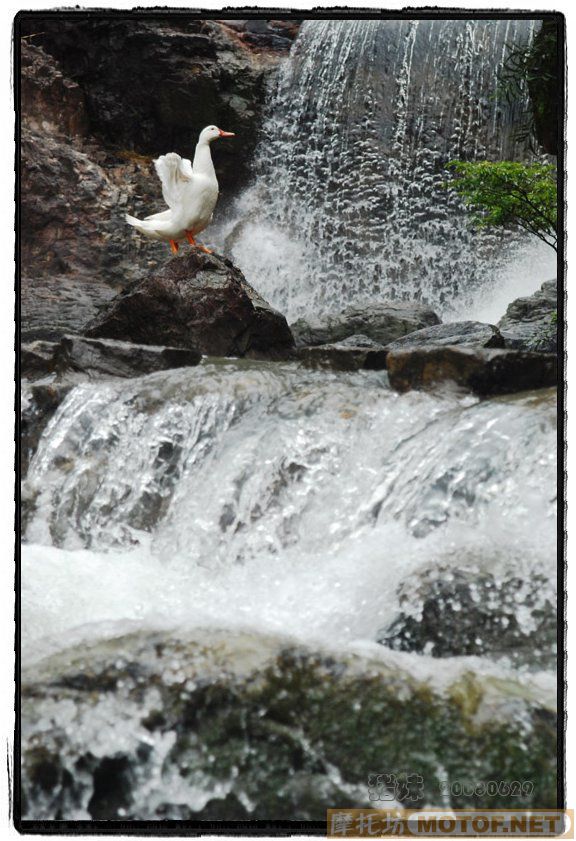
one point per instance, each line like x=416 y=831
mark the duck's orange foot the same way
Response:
x=174 y=246
x=194 y=244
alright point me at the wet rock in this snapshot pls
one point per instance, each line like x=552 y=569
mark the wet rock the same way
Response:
x=200 y=301
x=88 y=140
x=268 y=34
x=267 y=40
x=382 y=322
x=453 y=612
x=38 y=405
x=242 y=725
x=184 y=73
x=352 y=354
x=530 y=323
x=106 y=357
x=469 y=333
x=482 y=370
x=50 y=100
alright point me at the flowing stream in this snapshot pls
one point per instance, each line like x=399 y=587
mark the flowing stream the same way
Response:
x=266 y=499
x=277 y=499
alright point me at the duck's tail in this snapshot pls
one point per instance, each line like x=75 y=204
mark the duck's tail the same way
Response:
x=141 y=225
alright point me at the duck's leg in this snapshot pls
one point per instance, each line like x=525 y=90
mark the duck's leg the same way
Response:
x=193 y=243
x=174 y=246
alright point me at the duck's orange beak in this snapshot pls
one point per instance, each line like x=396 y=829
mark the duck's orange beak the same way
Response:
x=227 y=133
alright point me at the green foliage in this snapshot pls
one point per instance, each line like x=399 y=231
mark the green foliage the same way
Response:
x=533 y=69
x=510 y=194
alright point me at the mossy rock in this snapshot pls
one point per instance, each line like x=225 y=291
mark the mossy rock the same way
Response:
x=247 y=727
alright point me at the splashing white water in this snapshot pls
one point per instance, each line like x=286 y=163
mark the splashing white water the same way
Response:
x=350 y=202
x=287 y=502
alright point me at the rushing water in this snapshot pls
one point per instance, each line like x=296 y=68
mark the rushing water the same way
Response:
x=282 y=499
x=268 y=501
x=350 y=203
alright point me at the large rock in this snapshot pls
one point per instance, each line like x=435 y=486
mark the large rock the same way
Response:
x=382 y=322
x=200 y=301
x=100 y=99
x=449 y=612
x=481 y=370
x=150 y=86
x=352 y=354
x=106 y=357
x=74 y=249
x=237 y=727
x=530 y=323
x=469 y=333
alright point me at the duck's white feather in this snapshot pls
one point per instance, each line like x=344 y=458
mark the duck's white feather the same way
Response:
x=189 y=190
x=175 y=178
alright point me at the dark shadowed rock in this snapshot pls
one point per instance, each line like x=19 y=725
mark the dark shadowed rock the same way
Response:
x=38 y=404
x=199 y=301
x=54 y=305
x=482 y=370
x=352 y=354
x=451 y=612
x=152 y=85
x=50 y=100
x=530 y=323
x=470 y=333
x=107 y=357
x=382 y=322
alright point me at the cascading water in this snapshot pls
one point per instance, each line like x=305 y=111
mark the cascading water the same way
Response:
x=349 y=202
x=304 y=497
x=241 y=502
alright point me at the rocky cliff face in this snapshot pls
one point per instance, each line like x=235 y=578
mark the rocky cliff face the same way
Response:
x=100 y=98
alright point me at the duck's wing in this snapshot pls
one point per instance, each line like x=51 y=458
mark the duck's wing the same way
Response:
x=175 y=174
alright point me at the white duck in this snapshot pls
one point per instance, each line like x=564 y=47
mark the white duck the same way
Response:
x=189 y=190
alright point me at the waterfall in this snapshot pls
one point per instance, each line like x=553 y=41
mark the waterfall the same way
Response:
x=349 y=202
x=193 y=537
x=302 y=497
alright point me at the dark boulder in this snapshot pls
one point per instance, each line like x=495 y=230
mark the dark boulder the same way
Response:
x=382 y=322
x=451 y=612
x=352 y=354
x=106 y=357
x=530 y=323
x=470 y=333
x=485 y=371
x=200 y=301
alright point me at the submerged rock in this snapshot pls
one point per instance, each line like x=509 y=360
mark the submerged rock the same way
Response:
x=199 y=301
x=240 y=726
x=382 y=322
x=469 y=333
x=452 y=612
x=530 y=323
x=38 y=405
x=107 y=357
x=481 y=370
x=352 y=354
